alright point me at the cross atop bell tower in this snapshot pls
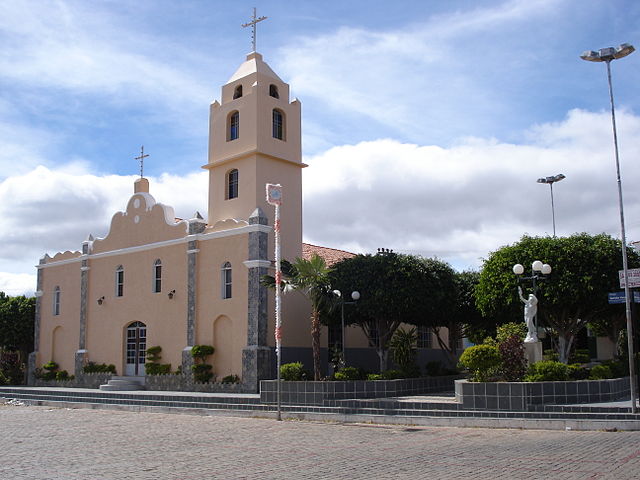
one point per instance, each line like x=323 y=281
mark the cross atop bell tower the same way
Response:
x=254 y=21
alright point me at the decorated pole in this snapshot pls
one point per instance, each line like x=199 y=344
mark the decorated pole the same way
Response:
x=274 y=197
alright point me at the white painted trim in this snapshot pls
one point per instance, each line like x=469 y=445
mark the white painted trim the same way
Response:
x=257 y=263
x=39 y=293
x=195 y=250
x=84 y=269
x=150 y=246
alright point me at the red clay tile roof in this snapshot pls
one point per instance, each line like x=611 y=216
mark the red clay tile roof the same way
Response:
x=330 y=255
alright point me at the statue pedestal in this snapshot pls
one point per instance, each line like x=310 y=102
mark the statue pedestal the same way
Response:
x=533 y=352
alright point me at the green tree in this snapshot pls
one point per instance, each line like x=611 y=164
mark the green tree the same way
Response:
x=395 y=289
x=585 y=269
x=17 y=316
x=311 y=278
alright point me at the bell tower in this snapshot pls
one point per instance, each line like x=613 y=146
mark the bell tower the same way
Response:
x=255 y=139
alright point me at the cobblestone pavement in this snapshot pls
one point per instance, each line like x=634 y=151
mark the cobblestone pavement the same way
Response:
x=69 y=444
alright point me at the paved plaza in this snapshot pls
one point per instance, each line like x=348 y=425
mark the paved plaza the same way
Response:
x=68 y=444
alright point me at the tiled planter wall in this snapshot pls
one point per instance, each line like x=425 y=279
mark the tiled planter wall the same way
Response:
x=85 y=380
x=518 y=396
x=183 y=383
x=316 y=393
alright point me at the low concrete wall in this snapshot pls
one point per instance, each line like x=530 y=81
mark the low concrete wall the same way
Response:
x=518 y=396
x=317 y=393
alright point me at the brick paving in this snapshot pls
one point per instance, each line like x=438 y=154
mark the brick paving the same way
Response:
x=47 y=443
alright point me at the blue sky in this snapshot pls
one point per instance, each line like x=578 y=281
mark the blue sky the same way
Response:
x=431 y=120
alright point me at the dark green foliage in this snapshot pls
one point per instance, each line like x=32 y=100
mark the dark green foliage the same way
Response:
x=619 y=368
x=585 y=269
x=577 y=372
x=11 y=368
x=93 y=367
x=393 y=374
x=600 y=372
x=503 y=332
x=230 y=379
x=547 y=371
x=16 y=323
x=350 y=373
x=153 y=353
x=63 y=375
x=201 y=352
x=514 y=364
x=403 y=346
x=375 y=376
x=51 y=366
x=433 y=369
x=293 y=372
x=393 y=289
x=152 y=368
x=202 y=372
x=580 y=356
x=482 y=362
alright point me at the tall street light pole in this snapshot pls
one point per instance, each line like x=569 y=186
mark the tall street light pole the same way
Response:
x=551 y=181
x=607 y=55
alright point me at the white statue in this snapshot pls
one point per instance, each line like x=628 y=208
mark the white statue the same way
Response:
x=530 y=310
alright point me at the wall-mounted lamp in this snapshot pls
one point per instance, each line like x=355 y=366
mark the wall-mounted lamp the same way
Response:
x=171 y=294
x=101 y=300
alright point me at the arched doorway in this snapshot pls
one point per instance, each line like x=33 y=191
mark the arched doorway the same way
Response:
x=136 y=349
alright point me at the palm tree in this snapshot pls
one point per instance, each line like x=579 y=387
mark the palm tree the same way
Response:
x=311 y=278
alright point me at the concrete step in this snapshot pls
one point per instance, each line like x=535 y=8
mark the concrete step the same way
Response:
x=119 y=384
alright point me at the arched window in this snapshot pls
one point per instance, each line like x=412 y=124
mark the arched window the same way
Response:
x=119 y=281
x=273 y=91
x=232 y=184
x=225 y=279
x=278 y=124
x=56 y=300
x=237 y=93
x=157 y=276
x=233 y=127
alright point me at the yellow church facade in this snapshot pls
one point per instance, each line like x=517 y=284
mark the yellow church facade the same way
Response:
x=155 y=280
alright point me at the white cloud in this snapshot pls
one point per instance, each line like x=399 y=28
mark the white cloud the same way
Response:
x=460 y=203
x=46 y=211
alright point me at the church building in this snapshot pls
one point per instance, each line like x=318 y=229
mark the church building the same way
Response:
x=157 y=280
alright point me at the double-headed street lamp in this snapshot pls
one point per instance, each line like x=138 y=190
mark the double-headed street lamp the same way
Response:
x=607 y=55
x=355 y=295
x=551 y=181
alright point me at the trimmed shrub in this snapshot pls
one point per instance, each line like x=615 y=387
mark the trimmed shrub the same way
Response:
x=63 y=375
x=350 y=373
x=578 y=372
x=201 y=352
x=508 y=330
x=93 y=367
x=547 y=371
x=581 y=355
x=157 y=368
x=293 y=372
x=202 y=372
x=51 y=366
x=619 y=368
x=482 y=362
x=230 y=379
x=153 y=353
x=514 y=364
x=374 y=376
x=600 y=372
x=393 y=374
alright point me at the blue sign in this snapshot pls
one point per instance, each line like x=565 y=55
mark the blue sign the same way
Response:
x=618 y=297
